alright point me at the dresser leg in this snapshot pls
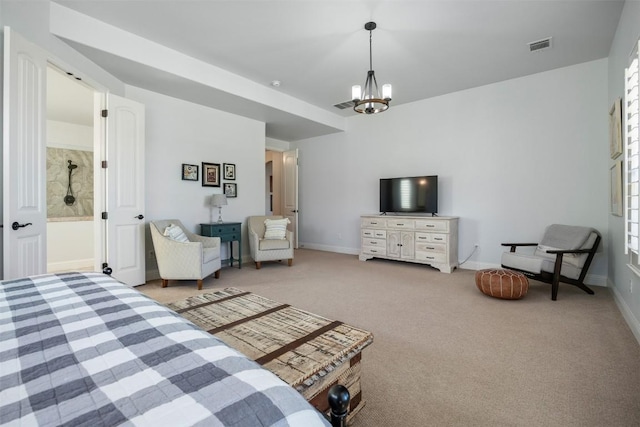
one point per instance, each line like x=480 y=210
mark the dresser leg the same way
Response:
x=258 y=265
x=200 y=284
x=290 y=262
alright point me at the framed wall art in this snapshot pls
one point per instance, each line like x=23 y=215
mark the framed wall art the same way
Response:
x=616 y=189
x=189 y=172
x=229 y=171
x=230 y=189
x=210 y=174
x=615 y=129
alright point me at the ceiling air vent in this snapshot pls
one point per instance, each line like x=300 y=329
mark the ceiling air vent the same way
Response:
x=344 y=105
x=540 y=45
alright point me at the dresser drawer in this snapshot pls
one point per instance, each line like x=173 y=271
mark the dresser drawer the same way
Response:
x=374 y=250
x=432 y=225
x=431 y=257
x=401 y=224
x=431 y=247
x=432 y=237
x=378 y=234
x=374 y=242
x=372 y=222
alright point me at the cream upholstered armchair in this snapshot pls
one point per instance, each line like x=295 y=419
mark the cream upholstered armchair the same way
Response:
x=269 y=239
x=182 y=255
x=564 y=254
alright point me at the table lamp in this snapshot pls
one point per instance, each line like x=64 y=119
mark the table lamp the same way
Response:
x=219 y=200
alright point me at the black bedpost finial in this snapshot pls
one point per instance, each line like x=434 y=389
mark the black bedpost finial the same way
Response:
x=339 y=403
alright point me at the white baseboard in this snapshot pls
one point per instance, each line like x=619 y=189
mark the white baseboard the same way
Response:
x=72 y=265
x=629 y=317
x=326 y=248
x=474 y=265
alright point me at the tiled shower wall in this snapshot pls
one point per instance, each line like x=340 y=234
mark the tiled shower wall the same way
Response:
x=58 y=180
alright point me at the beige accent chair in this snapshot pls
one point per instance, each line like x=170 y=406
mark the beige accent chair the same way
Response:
x=266 y=249
x=564 y=254
x=192 y=260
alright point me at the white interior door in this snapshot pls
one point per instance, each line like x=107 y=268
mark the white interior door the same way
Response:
x=125 y=190
x=290 y=190
x=24 y=158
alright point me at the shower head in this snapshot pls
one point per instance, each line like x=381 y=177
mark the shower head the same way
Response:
x=71 y=165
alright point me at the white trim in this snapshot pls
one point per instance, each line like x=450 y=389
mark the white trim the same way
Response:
x=627 y=313
x=71 y=265
x=327 y=248
x=635 y=270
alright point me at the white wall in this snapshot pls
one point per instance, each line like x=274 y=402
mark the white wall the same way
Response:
x=69 y=246
x=512 y=158
x=620 y=276
x=69 y=135
x=182 y=132
x=70 y=243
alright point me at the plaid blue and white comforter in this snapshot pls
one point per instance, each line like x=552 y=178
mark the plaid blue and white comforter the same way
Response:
x=86 y=350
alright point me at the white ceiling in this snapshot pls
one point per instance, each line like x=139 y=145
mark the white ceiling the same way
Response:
x=319 y=49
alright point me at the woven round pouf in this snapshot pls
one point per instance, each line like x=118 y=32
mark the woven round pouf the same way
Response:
x=505 y=284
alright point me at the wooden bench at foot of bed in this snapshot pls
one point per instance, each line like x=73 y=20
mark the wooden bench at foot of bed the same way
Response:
x=307 y=351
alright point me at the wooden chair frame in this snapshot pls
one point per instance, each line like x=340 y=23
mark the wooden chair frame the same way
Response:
x=556 y=277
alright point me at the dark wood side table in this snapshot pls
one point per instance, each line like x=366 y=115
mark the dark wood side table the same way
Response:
x=227 y=232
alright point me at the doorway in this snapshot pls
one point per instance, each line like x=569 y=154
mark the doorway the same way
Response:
x=281 y=173
x=70 y=173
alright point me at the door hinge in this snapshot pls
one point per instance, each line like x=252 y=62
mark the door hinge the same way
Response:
x=104 y=164
x=105 y=113
x=105 y=215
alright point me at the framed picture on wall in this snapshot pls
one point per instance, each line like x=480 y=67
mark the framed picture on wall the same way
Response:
x=230 y=189
x=616 y=189
x=210 y=174
x=229 y=171
x=189 y=172
x=615 y=129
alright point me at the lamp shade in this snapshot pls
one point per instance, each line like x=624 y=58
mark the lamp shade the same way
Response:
x=218 y=200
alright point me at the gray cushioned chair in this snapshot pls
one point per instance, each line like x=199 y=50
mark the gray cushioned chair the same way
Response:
x=564 y=254
x=266 y=249
x=192 y=260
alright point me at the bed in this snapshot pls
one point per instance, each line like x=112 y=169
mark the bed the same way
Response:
x=84 y=349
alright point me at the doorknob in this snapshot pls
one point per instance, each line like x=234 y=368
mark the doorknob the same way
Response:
x=139 y=216
x=15 y=225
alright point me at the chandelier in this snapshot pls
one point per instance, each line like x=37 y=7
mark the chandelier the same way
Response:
x=369 y=101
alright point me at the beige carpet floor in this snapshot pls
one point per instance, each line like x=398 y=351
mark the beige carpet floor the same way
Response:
x=444 y=354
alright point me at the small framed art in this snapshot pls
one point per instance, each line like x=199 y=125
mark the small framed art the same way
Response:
x=189 y=172
x=616 y=188
x=210 y=174
x=230 y=189
x=615 y=129
x=229 y=171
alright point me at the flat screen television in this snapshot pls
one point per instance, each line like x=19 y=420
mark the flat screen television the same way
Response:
x=417 y=194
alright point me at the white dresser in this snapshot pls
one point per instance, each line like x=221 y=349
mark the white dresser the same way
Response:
x=420 y=239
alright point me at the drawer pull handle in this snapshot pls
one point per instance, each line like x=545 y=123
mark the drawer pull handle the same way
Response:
x=437 y=238
x=373 y=243
x=422 y=238
x=374 y=251
x=400 y=225
x=430 y=225
x=428 y=247
x=430 y=257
